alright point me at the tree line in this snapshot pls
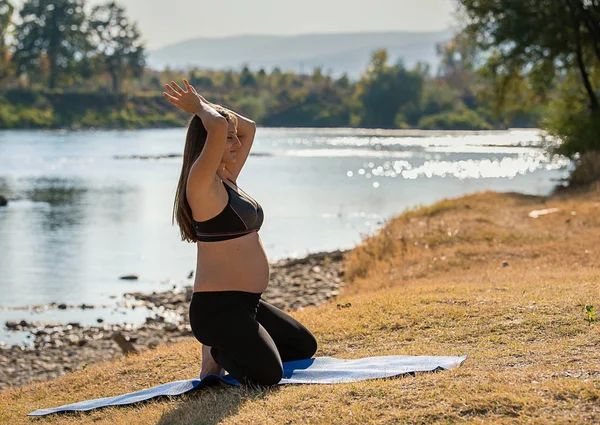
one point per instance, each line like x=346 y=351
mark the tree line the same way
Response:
x=57 y=46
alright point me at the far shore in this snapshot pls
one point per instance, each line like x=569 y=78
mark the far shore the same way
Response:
x=407 y=132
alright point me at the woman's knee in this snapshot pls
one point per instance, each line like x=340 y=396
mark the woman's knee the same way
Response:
x=266 y=375
x=310 y=346
x=305 y=345
x=266 y=367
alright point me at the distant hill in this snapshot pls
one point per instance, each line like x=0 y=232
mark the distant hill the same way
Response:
x=335 y=53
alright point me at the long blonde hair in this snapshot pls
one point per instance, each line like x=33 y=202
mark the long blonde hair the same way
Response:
x=194 y=143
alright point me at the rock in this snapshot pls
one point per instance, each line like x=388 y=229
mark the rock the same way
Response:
x=505 y=264
x=130 y=277
x=78 y=342
x=126 y=346
x=170 y=327
x=3 y=201
x=539 y=213
x=11 y=325
x=153 y=343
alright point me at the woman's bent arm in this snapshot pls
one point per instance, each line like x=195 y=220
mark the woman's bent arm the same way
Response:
x=204 y=169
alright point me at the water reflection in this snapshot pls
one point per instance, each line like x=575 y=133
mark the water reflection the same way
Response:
x=55 y=191
x=4 y=188
x=55 y=238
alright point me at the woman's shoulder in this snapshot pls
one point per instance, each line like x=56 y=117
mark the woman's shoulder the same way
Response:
x=211 y=194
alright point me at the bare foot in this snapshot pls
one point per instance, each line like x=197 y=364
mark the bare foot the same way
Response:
x=209 y=365
x=218 y=370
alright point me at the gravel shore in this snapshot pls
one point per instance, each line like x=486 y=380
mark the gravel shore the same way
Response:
x=294 y=284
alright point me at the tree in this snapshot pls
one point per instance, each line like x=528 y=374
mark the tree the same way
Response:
x=343 y=82
x=539 y=38
x=317 y=75
x=53 y=29
x=541 y=42
x=6 y=12
x=246 y=78
x=118 y=42
x=457 y=66
x=385 y=89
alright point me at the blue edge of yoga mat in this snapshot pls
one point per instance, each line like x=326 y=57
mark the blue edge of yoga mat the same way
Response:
x=320 y=370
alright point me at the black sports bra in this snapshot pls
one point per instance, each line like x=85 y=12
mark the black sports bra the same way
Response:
x=242 y=215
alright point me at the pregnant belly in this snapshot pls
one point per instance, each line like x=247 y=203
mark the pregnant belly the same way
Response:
x=236 y=264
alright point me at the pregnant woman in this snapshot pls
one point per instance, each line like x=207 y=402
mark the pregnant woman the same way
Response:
x=240 y=333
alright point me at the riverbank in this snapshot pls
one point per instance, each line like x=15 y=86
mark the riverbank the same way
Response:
x=513 y=280
x=61 y=348
x=76 y=110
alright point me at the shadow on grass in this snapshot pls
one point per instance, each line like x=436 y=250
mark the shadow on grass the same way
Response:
x=209 y=406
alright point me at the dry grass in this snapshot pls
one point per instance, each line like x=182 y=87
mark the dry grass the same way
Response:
x=431 y=283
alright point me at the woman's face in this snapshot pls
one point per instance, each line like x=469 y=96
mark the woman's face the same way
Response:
x=233 y=143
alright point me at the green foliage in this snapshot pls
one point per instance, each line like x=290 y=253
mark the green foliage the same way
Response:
x=461 y=119
x=6 y=11
x=22 y=116
x=117 y=42
x=84 y=110
x=252 y=106
x=543 y=53
x=246 y=78
x=587 y=169
x=54 y=30
x=589 y=314
x=439 y=97
x=384 y=90
x=578 y=129
x=570 y=121
x=105 y=55
x=525 y=37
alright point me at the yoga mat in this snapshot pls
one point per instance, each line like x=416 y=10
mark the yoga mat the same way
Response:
x=320 y=370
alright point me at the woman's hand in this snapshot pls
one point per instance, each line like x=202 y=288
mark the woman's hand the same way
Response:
x=187 y=100
x=199 y=95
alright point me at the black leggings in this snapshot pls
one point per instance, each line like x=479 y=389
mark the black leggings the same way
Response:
x=249 y=337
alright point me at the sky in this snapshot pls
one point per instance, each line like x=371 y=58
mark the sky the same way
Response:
x=166 y=22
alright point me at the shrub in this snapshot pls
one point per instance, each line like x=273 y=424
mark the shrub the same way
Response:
x=461 y=119
x=587 y=169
